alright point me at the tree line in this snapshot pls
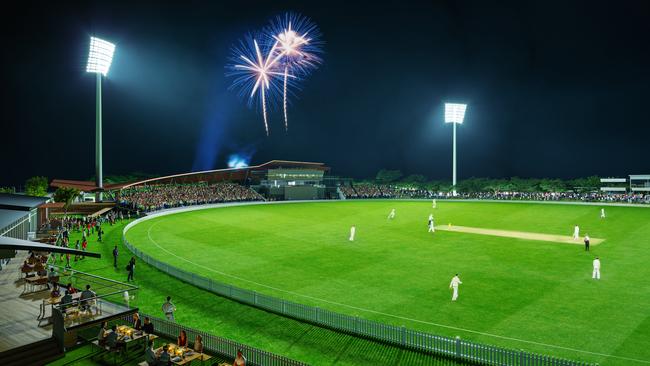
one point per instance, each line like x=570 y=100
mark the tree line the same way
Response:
x=471 y=185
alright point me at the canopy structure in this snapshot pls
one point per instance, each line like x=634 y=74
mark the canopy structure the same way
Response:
x=19 y=244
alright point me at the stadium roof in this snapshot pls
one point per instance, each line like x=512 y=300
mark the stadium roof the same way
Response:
x=8 y=217
x=19 y=244
x=227 y=174
x=84 y=185
x=20 y=202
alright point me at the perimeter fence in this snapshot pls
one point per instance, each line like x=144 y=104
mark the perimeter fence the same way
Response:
x=455 y=348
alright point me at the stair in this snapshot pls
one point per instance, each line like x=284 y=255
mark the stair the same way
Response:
x=34 y=354
x=340 y=192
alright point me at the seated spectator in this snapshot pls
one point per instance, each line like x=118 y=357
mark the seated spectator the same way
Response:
x=52 y=277
x=181 y=341
x=56 y=291
x=71 y=289
x=103 y=333
x=87 y=298
x=112 y=339
x=150 y=356
x=198 y=344
x=165 y=358
x=137 y=323
x=240 y=360
x=148 y=326
x=66 y=300
x=26 y=267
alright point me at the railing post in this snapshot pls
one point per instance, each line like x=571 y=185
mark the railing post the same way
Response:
x=458 y=347
x=521 y=358
x=403 y=335
x=255 y=297
x=317 y=314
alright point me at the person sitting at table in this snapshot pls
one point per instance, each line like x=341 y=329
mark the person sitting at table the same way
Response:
x=137 y=323
x=86 y=299
x=32 y=259
x=113 y=341
x=148 y=325
x=66 y=300
x=165 y=358
x=52 y=277
x=240 y=360
x=40 y=269
x=71 y=289
x=198 y=344
x=56 y=291
x=103 y=333
x=181 y=341
x=150 y=356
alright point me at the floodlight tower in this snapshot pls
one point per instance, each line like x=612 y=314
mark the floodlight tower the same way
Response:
x=99 y=61
x=454 y=113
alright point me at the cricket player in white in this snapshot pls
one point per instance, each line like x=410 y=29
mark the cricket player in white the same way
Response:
x=454 y=284
x=602 y=213
x=576 y=232
x=596 y=273
x=391 y=215
x=433 y=204
x=432 y=224
x=353 y=230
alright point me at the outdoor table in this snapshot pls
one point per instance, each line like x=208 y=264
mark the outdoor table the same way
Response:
x=186 y=359
x=57 y=300
x=135 y=337
x=34 y=281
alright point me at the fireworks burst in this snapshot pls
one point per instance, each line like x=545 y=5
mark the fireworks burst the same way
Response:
x=298 y=47
x=288 y=50
x=254 y=70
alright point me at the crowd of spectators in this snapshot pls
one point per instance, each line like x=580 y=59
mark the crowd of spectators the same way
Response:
x=161 y=196
x=382 y=191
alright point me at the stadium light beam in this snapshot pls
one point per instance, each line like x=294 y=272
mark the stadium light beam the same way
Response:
x=100 y=58
x=454 y=114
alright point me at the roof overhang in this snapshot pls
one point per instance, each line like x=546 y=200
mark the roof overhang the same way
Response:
x=20 y=244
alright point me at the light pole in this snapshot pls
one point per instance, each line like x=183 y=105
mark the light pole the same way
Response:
x=100 y=57
x=454 y=114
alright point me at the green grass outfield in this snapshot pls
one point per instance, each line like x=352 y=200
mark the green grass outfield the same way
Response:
x=203 y=310
x=532 y=295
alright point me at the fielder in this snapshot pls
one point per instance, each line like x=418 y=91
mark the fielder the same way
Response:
x=432 y=224
x=455 y=281
x=602 y=213
x=433 y=204
x=596 y=273
x=576 y=232
x=353 y=230
x=391 y=215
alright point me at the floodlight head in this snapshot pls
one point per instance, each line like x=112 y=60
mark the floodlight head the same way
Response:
x=100 y=56
x=455 y=112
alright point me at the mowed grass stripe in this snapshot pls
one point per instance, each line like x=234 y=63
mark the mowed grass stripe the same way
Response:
x=542 y=293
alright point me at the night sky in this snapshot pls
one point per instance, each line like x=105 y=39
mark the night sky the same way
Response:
x=555 y=89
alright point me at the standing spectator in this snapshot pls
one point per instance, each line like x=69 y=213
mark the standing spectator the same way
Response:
x=76 y=247
x=115 y=254
x=131 y=268
x=168 y=308
x=84 y=245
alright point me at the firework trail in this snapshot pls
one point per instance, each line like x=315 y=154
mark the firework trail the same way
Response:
x=298 y=48
x=253 y=73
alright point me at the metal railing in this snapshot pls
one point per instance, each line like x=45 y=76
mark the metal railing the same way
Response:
x=217 y=345
x=455 y=348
